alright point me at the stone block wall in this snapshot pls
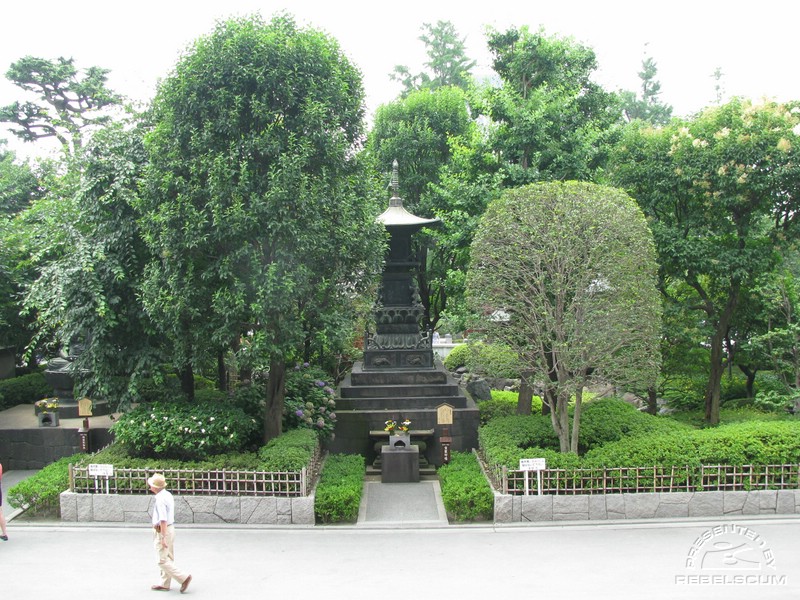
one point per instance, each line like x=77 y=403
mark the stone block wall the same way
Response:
x=28 y=449
x=523 y=509
x=118 y=508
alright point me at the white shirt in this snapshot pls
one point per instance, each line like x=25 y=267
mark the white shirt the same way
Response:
x=164 y=508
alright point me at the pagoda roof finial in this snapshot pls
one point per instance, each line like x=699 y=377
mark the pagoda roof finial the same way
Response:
x=396 y=215
x=395 y=200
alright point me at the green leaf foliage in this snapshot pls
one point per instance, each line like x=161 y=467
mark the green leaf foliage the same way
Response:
x=489 y=360
x=466 y=494
x=260 y=214
x=40 y=492
x=24 y=389
x=572 y=267
x=338 y=493
x=291 y=451
x=183 y=430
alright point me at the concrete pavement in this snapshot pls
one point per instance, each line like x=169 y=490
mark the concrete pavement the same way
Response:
x=654 y=559
x=403 y=546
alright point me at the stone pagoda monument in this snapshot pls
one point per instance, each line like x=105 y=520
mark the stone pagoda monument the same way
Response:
x=398 y=378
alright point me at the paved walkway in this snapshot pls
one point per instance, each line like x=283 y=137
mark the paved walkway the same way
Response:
x=402 y=505
x=565 y=561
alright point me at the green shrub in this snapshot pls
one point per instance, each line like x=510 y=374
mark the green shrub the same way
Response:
x=309 y=401
x=457 y=357
x=338 y=495
x=40 y=492
x=117 y=455
x=758 y=443
x=183 y=430
x=250 y=398
x=25 y=389
x=504 y=404
x=465 y=492
x=489 y=360
x=610 y=419
x=291 y=451
x=207 y=395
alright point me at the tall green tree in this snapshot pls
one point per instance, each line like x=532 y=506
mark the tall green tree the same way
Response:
x=447 y=62
x=69 y=102
x=550 y=120
x=21 y=186
x=90 y=268
x=719 y=190
x=422 y=131
x=256 y=204
x=646 y=105
x=565 y=274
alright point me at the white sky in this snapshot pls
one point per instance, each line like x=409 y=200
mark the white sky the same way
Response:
x=754 y=43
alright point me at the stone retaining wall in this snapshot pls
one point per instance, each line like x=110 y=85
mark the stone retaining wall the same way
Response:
x=522 y=509
x=118 y=508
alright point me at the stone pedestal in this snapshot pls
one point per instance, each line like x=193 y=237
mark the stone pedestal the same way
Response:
x=399 y=464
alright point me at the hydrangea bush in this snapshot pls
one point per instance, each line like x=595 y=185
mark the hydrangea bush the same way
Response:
x=310 y=401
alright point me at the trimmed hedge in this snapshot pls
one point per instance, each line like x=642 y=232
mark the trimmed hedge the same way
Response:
x=25 y=389
x=291 y=451
x=40 y=492
x=610 y=419
x=755 y=442
x=465 y=492
x=338 y=495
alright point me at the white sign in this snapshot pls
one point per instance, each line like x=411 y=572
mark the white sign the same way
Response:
x=532 y=464
x=101 y=470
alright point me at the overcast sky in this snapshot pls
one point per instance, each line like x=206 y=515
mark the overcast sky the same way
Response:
x=754 y=44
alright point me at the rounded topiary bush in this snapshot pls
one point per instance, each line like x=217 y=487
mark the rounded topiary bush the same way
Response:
x=183 y=430
x=488 y=360
x=609 y=419
x=24 y=389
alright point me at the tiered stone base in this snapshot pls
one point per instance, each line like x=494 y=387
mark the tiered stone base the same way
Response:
x=369 y=398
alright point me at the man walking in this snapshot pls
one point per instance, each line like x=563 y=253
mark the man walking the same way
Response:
x=164 y=535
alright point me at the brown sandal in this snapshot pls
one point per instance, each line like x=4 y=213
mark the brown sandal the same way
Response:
x=159 y=588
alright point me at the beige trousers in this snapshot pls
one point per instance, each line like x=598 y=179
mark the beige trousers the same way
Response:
x=166 y=556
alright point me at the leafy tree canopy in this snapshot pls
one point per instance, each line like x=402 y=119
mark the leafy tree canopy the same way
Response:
x=721 y=192
x=447 y=61
x=69 y=102
x=565 y=274
x=261 y=215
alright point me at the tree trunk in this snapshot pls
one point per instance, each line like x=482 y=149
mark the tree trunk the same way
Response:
x=186 y=377
x=525 y=399
x=652 y=400
x=559 y=417
x=713 y=391
x=576 y=420
x=273 y=405
x=751 y=380
x=222 y=372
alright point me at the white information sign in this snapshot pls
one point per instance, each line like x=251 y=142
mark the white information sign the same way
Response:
x=98 y=470
x=532 y=464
